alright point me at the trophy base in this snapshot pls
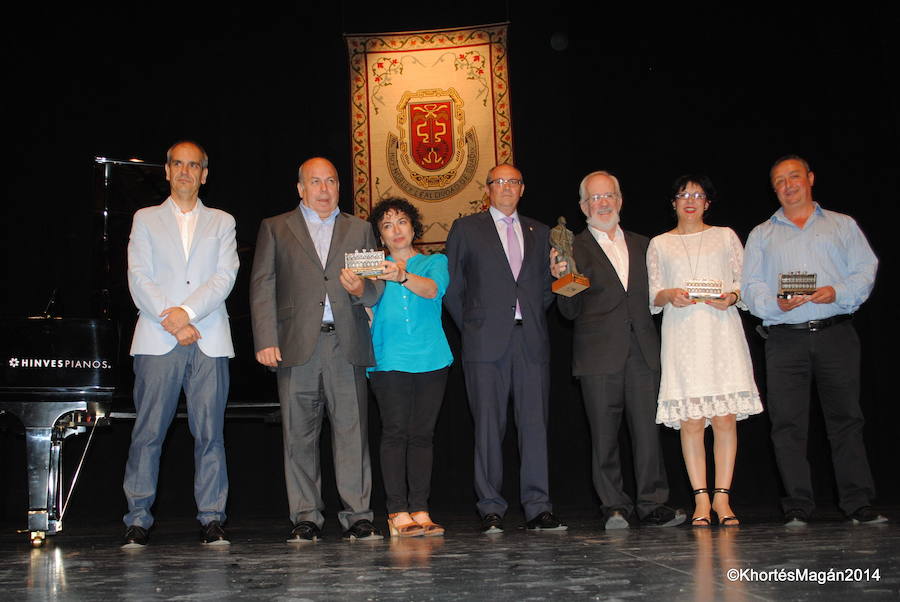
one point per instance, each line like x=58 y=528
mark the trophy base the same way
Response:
x=789 y=294
x=570 y=285
x=369 y=273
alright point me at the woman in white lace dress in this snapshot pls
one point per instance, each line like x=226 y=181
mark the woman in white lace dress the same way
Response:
x=707 y=375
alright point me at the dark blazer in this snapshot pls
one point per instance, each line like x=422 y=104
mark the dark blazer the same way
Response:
x=288 y=287
x=482 y=294
x=605 y=313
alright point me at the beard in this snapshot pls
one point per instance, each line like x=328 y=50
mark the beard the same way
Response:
x=610 y=223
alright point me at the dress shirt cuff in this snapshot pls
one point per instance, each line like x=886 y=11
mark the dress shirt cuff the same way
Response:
x=190 y=312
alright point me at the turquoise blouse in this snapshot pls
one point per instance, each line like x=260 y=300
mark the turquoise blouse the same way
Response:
x=406 y=329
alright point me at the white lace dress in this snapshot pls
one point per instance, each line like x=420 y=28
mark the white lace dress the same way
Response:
x=706 y=367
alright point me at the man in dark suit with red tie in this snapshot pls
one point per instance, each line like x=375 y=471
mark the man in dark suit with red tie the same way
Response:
x=498 y=296
x=616 y=357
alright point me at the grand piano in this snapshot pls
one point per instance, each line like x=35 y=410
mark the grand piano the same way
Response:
x=58 y=378
x=59 y=374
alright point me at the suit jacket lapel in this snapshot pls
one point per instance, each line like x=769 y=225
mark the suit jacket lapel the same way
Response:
x=297 y=225
x=603 y=260
x=203 y=218
x=170 y=226
x=528 y=244
x=492 y=236
x=341 y=227
x=634 y=259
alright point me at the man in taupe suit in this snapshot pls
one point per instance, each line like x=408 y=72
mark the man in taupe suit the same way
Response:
x=309 y=322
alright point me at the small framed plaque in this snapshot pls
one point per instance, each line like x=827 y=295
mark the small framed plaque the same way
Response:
x=365 y=263
x=796 y=283
x=703 y=288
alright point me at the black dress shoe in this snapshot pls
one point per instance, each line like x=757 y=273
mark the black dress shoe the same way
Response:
x=867 y=516
x=491 y=523
x=136 y=537
x=545 y=521
x=663 y=516
x=616 y=519
x=213 y=534
x=795 y=518
x=305 y=531
x=362 y=529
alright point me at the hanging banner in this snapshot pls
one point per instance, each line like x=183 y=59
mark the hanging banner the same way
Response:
x=430 y=115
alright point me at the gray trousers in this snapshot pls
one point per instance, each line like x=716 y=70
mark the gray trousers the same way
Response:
x=158 y=381
x=326 y=385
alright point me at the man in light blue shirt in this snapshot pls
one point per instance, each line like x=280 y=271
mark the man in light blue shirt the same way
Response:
x=811 y=336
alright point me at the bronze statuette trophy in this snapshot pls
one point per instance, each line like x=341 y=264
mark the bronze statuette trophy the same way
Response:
x=570 y=282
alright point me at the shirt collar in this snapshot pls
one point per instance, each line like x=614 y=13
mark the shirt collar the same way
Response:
x=310 y=215
x=177 y=210
x=499 y=215
x=600 y=234
x=779 y=216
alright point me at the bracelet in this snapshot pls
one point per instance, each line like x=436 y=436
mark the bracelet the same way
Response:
x=405 y=278
x=737 y=297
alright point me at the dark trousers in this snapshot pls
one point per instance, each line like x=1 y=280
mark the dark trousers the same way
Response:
x=409 y=403
x=831 y=356
x=607 y=397
x=489 y=385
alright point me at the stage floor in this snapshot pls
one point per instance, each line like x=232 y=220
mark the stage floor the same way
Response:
x=585 y=562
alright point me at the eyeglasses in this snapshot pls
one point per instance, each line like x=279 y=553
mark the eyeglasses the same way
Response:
x=607 y=196
x=502 y=181
x=697 y=196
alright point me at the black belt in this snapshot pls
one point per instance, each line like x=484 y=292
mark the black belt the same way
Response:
x=518 y=321
x=327 y=326
x=814 y=325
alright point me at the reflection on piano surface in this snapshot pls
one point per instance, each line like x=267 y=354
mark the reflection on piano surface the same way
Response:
x=58 y=378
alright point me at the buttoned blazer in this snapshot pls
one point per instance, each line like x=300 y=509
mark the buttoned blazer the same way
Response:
x=605 y=313
x=288 y=286
x=482 y=294
x=159 y=277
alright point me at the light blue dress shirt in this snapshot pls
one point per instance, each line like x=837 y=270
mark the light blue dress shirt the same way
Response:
x=406 y=329
x=829 y=244
x=320 y=231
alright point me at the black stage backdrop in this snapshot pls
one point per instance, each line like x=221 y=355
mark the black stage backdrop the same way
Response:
x=646 y=93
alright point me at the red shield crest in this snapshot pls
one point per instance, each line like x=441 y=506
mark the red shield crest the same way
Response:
x=431 y=134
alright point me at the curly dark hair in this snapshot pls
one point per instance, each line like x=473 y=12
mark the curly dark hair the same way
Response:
x=700 y=180
x=401 y=206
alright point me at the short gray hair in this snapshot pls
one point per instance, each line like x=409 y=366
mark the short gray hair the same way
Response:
x=582 y=193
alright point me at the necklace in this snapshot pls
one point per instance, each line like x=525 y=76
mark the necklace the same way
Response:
x=692 y=266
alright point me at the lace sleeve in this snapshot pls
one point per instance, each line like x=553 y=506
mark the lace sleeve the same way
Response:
x=654 y=275
x=736 y=261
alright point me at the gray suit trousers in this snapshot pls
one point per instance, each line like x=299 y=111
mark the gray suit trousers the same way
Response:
x=326 y=384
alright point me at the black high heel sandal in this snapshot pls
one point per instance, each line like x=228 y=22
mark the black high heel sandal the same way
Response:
x=702 y=522
x=726 y=521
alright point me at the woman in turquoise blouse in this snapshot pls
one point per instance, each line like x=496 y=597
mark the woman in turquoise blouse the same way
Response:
x=412 y=358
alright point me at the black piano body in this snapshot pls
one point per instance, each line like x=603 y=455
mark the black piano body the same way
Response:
x=58 y=379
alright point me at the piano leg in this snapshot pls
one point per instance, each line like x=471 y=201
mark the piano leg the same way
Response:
x=38 y=453
x=43 y=449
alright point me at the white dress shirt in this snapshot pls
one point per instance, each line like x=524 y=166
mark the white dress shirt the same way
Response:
x=616 y=251
x=187 y=224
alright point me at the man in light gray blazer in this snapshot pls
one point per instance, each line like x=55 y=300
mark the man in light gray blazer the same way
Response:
x=182 y=263
x=309 y=322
